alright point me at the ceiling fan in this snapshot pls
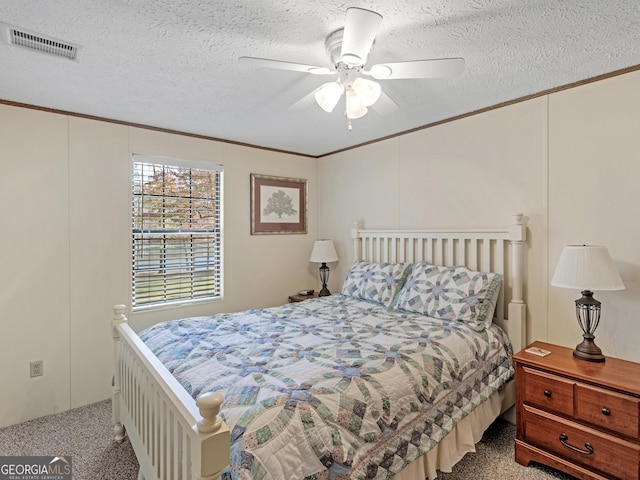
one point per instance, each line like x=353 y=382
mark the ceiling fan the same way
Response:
x=348 y=49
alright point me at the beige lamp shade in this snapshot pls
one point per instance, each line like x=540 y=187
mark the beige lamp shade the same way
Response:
x=586 y=267
x=323 y=252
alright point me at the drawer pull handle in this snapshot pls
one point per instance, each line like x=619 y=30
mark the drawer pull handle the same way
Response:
x=547 y=393
x=588 y=451
x=606 y=411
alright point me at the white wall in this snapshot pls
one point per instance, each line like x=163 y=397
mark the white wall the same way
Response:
x=569 y=161
x=99 y=258
x=34 y=285
x=65 y=200
x=594 y=166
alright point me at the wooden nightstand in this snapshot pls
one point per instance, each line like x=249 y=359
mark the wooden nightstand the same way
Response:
x=299 y=298
x=577 y=416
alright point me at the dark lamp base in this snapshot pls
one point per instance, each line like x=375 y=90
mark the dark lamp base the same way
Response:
x=589 y=351
x=324 y=292
x=324 y=278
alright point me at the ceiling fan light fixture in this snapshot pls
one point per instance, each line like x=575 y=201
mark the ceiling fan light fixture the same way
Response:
x=354 y=108
x=367 y=91
x=348 y=49
x=328 y=95
x=380 y=71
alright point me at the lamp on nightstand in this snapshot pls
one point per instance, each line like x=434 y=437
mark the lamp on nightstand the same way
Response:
x=324 y=252
x=587 y=268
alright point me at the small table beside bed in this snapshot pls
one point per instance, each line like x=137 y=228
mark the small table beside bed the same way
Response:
x=397 y=376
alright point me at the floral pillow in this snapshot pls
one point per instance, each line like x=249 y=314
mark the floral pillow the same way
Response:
x=375 y=282
x=451 y=293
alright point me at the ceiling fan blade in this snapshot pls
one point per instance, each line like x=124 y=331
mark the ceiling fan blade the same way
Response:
x=385 y=105
x=296 y=67
x=360 y=30
x=435 y=68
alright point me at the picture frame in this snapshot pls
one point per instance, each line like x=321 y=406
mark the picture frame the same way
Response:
x=278 y=205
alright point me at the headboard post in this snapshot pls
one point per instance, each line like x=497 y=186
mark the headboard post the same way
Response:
x=357 y=241
x=517 y=307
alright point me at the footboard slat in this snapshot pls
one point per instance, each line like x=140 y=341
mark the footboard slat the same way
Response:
x=173 y=437
x=185 y=465
x=156 y=436
x=145 y=427
x=168 y=462
x=162 y=460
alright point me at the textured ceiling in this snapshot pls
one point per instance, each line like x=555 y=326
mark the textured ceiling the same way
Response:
x=173 y=64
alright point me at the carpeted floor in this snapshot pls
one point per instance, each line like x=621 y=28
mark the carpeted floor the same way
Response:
x=86 y=434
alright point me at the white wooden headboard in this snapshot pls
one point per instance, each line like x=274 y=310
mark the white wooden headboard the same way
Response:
x=499 y=250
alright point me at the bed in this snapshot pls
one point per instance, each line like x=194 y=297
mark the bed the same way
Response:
x=378 y=381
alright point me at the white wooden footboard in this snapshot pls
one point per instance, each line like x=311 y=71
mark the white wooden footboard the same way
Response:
x=174 y=436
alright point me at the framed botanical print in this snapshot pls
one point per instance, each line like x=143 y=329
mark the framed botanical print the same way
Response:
x=278 y=205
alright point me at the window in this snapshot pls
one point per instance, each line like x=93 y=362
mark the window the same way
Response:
x=176 y=231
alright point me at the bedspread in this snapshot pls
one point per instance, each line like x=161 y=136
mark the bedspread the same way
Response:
x=333 y=388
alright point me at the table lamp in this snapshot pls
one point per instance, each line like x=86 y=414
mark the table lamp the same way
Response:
x=324 y=252
x=587 y=268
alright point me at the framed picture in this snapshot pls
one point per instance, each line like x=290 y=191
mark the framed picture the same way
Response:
x=278 y=205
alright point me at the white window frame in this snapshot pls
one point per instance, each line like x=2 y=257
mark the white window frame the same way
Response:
x=137 y=235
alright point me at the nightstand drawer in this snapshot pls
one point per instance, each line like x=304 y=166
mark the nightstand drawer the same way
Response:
x=548 y=392
x=582 y=445
x=611 y=410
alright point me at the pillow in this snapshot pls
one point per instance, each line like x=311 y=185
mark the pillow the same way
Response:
x=375 y=282
x=451 y=293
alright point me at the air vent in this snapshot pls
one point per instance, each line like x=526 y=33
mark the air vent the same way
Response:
x=40 y=43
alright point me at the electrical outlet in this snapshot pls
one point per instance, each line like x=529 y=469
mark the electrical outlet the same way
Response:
x=36 y=368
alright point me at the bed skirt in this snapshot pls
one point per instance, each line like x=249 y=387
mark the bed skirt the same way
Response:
x=456 y=444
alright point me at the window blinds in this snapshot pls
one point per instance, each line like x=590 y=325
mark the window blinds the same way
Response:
x=176 y=231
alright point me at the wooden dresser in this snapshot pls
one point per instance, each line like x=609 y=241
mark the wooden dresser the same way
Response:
x=576 y=416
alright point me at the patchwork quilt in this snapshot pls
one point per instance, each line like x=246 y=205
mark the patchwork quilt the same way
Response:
x=335 y=387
